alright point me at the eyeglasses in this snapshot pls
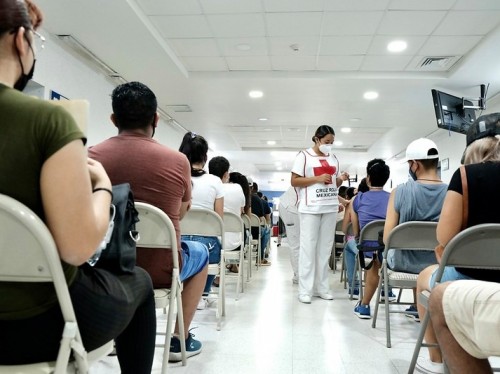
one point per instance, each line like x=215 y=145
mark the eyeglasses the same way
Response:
x=38 y=41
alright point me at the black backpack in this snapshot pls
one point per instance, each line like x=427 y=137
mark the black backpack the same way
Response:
x=120 y=253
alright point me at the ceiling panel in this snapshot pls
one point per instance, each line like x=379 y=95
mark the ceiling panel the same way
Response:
x=171 y=7
x=344 y=45
x=205 y=63
x=182 y=26
x=410 y=23
x=293 y=24
x=468 y=23
x=230 y=6
x=449 y=45
x=385 y=63
x=251 y=63
x=351 y=23
x=380 y=42
x=293 y=5
x=477 y=5
x=237 y=25
x=195 y=47
x=293 y=63
x=294 y=45
x=421 y=4
x=257 y=46
x=363 y=5
x=340 y=63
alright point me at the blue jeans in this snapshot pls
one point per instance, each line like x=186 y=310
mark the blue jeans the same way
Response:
x=265 y=236
x=350 y=251
x=194 y=258
x=214 y=247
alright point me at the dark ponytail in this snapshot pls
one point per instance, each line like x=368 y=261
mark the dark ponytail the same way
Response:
x=195 y=147
x=322 y=131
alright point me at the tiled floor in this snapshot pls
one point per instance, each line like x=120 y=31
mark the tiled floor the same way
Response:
x=269 y=331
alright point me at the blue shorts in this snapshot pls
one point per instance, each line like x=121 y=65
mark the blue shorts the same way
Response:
x=194 y=258
x=449 y=274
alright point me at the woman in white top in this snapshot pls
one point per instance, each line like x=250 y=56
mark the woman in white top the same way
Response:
x=207 y=193
x=316 y=174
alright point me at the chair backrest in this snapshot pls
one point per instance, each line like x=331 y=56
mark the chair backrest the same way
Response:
x=246 y=221
x=412 y=235
x=156 y=230
x=371 y=230
x=254 y=220
x=28 y=252
x=475 y=247
x=203 y=222
x=233 y=223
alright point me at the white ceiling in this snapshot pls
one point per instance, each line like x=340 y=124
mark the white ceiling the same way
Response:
x=313 y=60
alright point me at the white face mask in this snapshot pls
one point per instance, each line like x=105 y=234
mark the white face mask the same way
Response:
x=325 y=148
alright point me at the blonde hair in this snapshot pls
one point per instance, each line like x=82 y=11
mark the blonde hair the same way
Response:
x=481 y=150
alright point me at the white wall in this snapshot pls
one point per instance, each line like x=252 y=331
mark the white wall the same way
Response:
x=61 y=71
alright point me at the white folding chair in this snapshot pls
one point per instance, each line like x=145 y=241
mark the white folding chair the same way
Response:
x=338 y=245
x=157 y=232
x=234 y=224
x=369 y=232
x=255 y=243
x=29 y=254
x=343 y=270
x=475 y=247
x=248 y=246
x=415 y=236
x=205 y=222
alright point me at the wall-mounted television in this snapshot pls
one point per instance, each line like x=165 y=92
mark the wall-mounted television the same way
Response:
x=450 y=112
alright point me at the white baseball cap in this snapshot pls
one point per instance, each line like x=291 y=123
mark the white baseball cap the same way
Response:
x=419 y=150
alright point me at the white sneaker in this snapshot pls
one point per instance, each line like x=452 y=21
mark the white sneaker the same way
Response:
x=306 y=299
x=324 y=295
x=426 y=366
x=202 y=304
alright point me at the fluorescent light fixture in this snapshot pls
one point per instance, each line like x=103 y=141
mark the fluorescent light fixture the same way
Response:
x=370 y=95
x=345 y=129
x=243 y=47
x=263 y=119
x=255 y=94
x=279 y=168
x=397 y=46
x=271 y=142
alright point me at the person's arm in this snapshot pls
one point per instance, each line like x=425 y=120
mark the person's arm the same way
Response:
x=299 y=181
x=219 y=206
x=392 y=217
x=347 y=218
x=450 y=220
x=354 y=219
x=77 y=218
x=340 y=179
x=185 y=206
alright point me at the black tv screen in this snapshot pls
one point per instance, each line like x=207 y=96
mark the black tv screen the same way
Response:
x=450 y=112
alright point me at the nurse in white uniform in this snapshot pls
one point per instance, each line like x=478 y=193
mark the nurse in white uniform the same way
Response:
x=316 y=174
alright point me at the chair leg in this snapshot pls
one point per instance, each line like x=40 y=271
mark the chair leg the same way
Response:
x=387 y=314
x=377 y=302
x=353 y=280
x=360 y=277
x=419 y=344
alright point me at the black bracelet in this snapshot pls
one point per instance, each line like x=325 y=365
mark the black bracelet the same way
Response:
x=104 y=189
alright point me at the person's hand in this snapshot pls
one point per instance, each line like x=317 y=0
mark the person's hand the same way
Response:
x=98 y=176
x=324 y=178
x=344 y=176
x=341 y=208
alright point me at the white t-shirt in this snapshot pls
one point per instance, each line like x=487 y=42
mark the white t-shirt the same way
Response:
x=318 y=198
x=290 y=200
x=234 y=200
x=206 y=188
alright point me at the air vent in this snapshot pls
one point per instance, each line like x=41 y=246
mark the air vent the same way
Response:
x=437 y=63
x=184 y=108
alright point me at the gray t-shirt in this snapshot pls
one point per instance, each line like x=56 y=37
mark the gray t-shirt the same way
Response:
x=416 y=201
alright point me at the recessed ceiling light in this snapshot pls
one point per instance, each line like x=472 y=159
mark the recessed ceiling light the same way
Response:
x=346 y=129
x=271 y=142
x=370 y=95
x=267 y=129
x=355 y=119
x=279 y=168
x=263 y=119
x=397 y=46
x=243 y=47
x=339 y=142
x=255 y=94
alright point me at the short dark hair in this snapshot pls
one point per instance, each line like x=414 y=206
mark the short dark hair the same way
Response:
x=350 y=192
x=255 y=187
x=259 y=194
x=218 y=166
x=432 y=163
x=322 y=131
x=378 y=171
x=134 y=106
x=342 y=191
x=13 y=16
x=195 y=147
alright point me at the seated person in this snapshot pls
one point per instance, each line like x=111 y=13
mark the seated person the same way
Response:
x=482 y=166
x=208 y=194
x=419 y=199
x=158 y=176
x=364 y=208
x=47 y=170
x=260 y=210
x=234 y=202
x=466 y=318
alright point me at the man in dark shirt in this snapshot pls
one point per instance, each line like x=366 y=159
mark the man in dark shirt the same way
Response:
x=259 y=210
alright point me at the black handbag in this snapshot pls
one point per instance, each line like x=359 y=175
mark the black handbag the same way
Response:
x=119 y=256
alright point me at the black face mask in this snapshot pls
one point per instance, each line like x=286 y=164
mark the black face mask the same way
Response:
x=23 y=80
x=413 y=175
